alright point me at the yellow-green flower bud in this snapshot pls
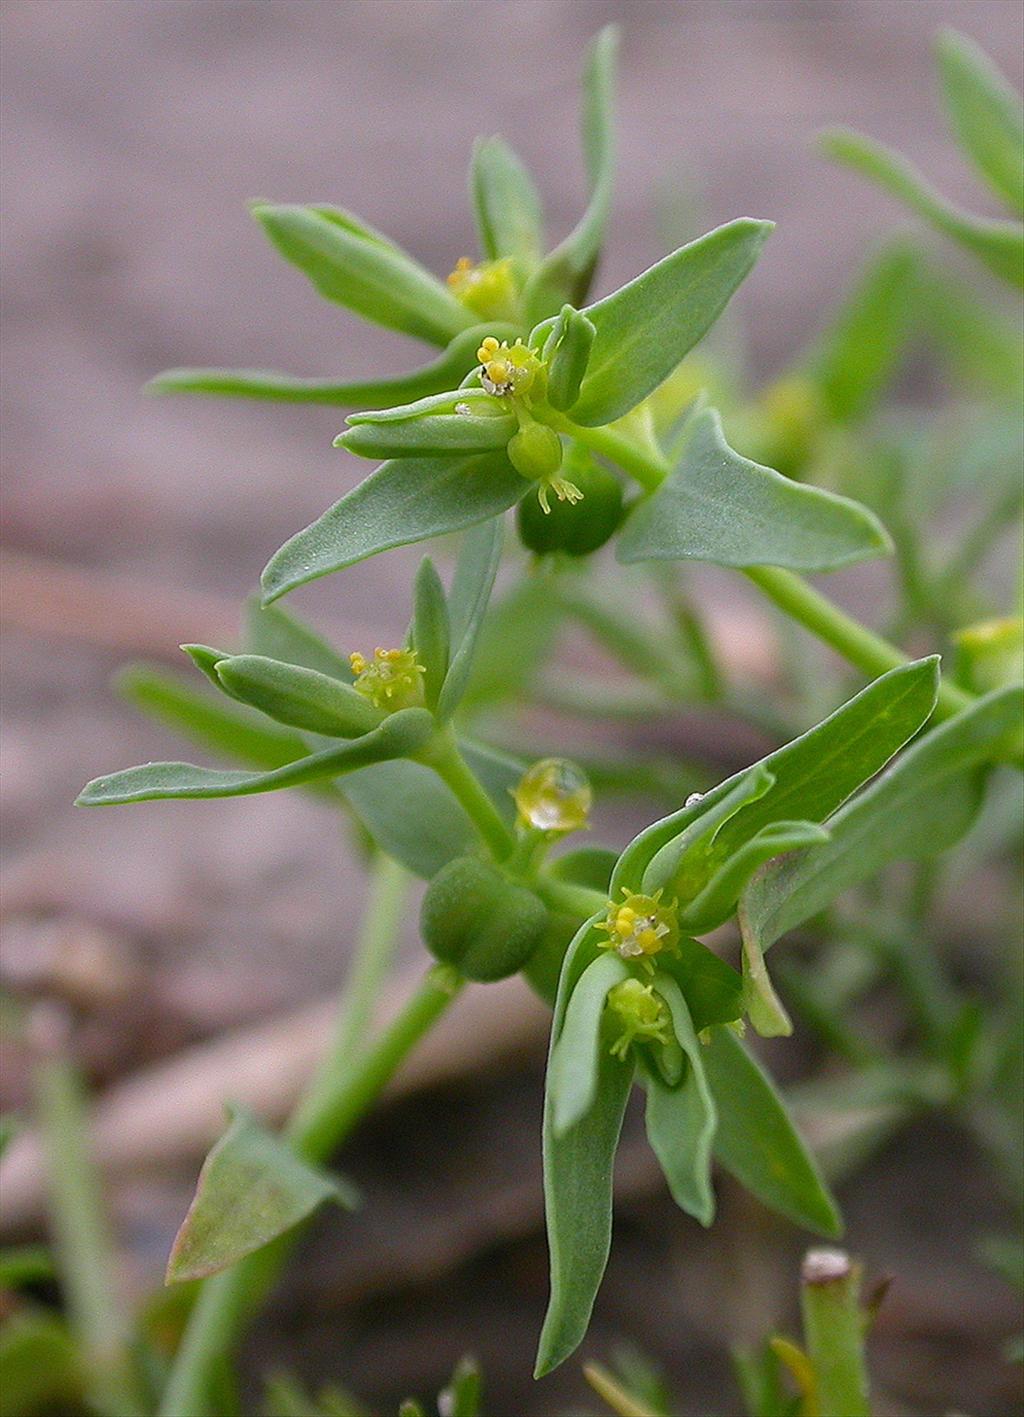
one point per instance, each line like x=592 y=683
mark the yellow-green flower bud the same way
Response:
x=554 y=796
x=991 y=654
x=642 y=1014
x=392 y=680
x=640 y=926
x=489 y=289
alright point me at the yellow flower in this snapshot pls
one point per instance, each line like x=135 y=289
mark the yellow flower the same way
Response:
x=391 y=680
x=640 y=926
x=507 y=370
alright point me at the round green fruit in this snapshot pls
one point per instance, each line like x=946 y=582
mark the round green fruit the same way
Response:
x=576 y=528
x=480 y=922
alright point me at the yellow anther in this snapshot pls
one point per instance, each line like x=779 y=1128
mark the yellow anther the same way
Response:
x=507 y=369
x=392 y=680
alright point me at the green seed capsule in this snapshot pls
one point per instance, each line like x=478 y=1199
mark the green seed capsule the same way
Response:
x=577 y=527
x=535 y=451
x=476 y=919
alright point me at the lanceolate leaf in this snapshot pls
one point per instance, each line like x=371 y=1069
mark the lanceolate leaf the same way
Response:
x=578 y=1181
x=364 y=272
x=445 y=372
x=859 y=352
x=567 y=271
x=508 y=210
x=814 y=774
x=471 y=591
x=720 y=507
x=757 y=1142
x=923 y=804
x=987 y=115
x=430 y=632
x=398 y=736
x=578 y=1202
x=452 y=423
x=999 y=244
x=681 y=1120
x=251 y=1189
x=645 y=328
x=212 y=723
x=575 y=1059
x=405 y=500
x=302 y=698
x=717 y=901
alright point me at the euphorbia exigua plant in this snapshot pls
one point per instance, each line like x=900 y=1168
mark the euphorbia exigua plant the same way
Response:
x=582 y=415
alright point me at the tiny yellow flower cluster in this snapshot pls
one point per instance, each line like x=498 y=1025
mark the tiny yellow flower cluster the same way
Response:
x=640 y=926
x=507 y=369
x=489 y=289
x=642 y=1013
x=391 y=680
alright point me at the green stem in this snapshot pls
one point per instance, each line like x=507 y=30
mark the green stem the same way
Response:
x=227 y=1300
x=84 y=1245
x=650 y=471
x=857 y=644
x=834 y=1333
x=573 y=900
x=453 y=770
x=378 y=936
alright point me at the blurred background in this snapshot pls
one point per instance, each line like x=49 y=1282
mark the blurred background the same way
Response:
x=134 y=132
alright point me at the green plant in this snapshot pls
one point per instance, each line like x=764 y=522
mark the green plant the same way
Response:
x=590 y=416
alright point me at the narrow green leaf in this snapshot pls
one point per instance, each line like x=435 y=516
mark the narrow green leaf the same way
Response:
x=442 y=373
x=479 y=557
x=210 y=723
x=405 y=500
x=982 y=346
x=575 y=1058
x=814 y=774
x=720 y=507
x=302 y=698
x=430 y=632
x=986 y=113
x=761 y=1003
x=272 y=631
x=363 y=272
x=206 y=658
x=998 y=244
x=858 y=353
x=578 y=1202
x=450 y=423
x=567 y=352
x=687 y=861
x=921 y=806
x=399 y=736
x=646 y=327
x=586 y=866
x=508 y=212
x=461 y=1398
x=717 y=900
x=251 y=1189
x=681 y=1120
x=756 y=1140
x=566 y=273
x=515 y=638
x=578 y=1181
